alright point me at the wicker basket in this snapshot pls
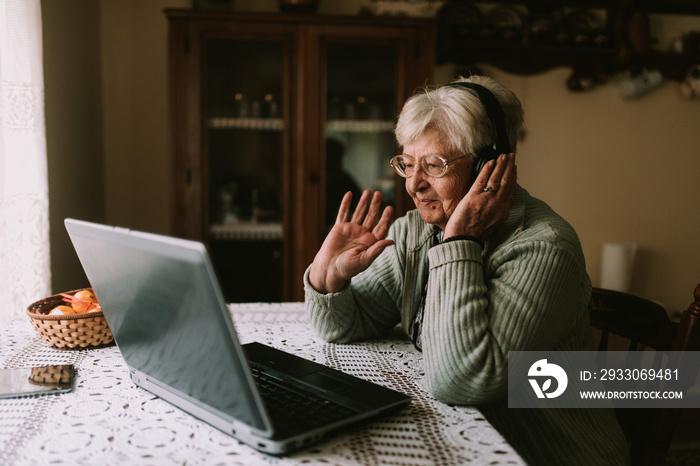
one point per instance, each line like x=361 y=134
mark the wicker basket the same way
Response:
x=52 y=376
x=71 y=331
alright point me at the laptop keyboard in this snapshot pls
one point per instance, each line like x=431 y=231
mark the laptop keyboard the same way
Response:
x=291 y=408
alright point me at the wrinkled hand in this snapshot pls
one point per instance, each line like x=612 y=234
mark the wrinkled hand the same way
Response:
x=351 y=245
x=480 y=212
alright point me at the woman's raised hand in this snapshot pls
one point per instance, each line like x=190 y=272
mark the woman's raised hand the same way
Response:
x=488 y=202
x=352 y=244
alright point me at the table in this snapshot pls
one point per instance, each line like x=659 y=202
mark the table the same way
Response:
x=107 y=420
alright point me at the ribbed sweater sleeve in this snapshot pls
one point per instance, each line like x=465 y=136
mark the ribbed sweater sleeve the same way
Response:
x=369 y=305
x=471 y=323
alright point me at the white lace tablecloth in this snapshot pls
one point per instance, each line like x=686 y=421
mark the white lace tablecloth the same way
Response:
x=107 y=420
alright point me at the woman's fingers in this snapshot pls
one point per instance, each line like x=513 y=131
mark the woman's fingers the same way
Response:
x=374 y=210
x=482 y=178
x=494 y=180
x=353 y=243
x=510 y=172
x=367 y=211
x=382 y=228
x=344 y=209
x=362 y=206
x=376 y=249
x=494 y=174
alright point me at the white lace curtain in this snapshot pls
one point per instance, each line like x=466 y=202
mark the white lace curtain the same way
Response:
x=25 y=274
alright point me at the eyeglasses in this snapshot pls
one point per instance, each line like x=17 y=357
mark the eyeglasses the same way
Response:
x=432 y=165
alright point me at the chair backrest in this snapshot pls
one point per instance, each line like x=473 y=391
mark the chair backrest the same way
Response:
x=636 y=319
x=646 y=325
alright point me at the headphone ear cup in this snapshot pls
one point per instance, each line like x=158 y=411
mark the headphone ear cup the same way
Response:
x=485 y=156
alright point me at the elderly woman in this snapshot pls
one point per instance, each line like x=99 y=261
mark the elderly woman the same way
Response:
x=478 y=269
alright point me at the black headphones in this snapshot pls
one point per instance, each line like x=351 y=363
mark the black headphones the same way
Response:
x=494 y=111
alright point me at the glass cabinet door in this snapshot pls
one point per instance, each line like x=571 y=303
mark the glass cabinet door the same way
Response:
x=274 y=118
x=245 y=166
x=360 y=109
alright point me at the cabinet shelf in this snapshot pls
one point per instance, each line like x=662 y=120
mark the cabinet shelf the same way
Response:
x=277 y=124
x=671 y=7
x=360 y=126
x=601 y=4
x=524 y=57
x=246 y=231
x=269 y=124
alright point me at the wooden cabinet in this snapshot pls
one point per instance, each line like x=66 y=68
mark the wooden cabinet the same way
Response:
x=273 y=117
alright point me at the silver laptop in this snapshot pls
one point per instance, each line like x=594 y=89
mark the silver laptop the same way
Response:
x=172 y=326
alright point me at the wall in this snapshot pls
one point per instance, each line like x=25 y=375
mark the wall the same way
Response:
x=617 y=170
x=134 y=63
x=73 y=108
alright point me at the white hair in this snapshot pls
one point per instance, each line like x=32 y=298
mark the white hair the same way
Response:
x=459 y=116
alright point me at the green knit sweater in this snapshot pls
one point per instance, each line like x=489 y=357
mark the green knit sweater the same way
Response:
x=527 y=290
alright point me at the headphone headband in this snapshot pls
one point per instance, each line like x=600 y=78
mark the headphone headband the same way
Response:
x=494 y=111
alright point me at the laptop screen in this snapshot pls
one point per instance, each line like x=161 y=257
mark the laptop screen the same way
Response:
x=167 y=315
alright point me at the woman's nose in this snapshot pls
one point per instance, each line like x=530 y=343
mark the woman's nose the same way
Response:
x=417 y=181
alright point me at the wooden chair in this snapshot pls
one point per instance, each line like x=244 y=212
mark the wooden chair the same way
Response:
x=643 y=322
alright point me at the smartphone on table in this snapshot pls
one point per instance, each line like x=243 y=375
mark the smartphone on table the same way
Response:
x=31 y=381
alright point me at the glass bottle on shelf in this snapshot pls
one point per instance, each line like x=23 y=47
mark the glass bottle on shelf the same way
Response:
x=240 y=108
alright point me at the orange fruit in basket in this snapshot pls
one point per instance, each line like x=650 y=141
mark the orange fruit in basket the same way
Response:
x=85 y=301
x=58 y=310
